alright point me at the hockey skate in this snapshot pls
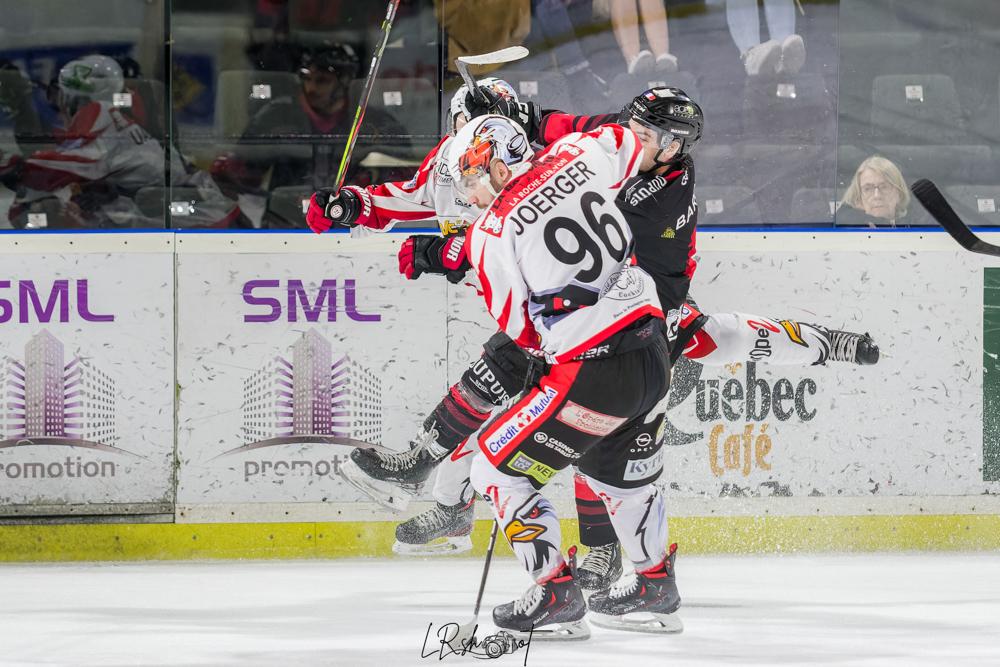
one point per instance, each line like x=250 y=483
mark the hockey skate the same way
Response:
x=439 y=531
x=554 y=610
x=642 y=602
x=601 y=568
x=392 y=479
x=853 y=348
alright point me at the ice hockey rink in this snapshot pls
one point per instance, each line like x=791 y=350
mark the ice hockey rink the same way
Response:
x=831 y=609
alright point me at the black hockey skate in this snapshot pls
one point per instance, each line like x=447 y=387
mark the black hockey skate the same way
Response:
x=646 y=601
x=853 y=348
x=601 y=567
x=392 y=479
x=553 y=610
x=439 y=531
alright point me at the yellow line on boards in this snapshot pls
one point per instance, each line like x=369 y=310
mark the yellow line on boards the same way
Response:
x=695 y=535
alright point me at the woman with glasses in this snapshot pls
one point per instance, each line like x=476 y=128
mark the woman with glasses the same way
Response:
x=877 y=196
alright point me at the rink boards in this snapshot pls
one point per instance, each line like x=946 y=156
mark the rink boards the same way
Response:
x=192 y=378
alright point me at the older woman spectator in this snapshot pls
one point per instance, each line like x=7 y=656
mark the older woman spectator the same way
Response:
x=877 y=196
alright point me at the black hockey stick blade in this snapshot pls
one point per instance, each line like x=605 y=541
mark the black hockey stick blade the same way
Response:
x=932 y=199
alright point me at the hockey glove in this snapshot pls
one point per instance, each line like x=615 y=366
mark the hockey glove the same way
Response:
x=525 y=114
x=329 y=208
x=442 y=255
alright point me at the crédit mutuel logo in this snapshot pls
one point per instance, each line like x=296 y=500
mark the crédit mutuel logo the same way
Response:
x=308 y=393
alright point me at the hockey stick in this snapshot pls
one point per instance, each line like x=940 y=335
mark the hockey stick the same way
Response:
x=932 y=199
x=359 y=115
x=467 y=630
x=510 y=54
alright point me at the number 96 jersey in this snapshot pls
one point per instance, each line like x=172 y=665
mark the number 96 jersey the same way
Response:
x=553 y=253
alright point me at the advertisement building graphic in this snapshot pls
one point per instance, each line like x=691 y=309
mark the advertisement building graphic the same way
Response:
x=311 y=381
x=267 y=410
x=312 y=395
x=12 y=390
x=44 y=388
x=47 y=398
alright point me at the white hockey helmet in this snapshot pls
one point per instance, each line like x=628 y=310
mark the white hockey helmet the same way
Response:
x=498 y=86
x=93 y=78
x=480 y=142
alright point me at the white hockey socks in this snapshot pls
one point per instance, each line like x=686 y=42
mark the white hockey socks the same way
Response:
x=639 y=517
x=526 y=518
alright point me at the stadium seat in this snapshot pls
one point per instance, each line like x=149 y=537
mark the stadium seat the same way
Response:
x=813 y=205
x=242 y=93
x=200 y=55
x=413 y=103
x=727 y=205
x=976 y=204
x=716 y=164
x=188 y=206
x=550 y=90
x=286 y=206
x=916 y=108
x=775 y=172
x=797 y=109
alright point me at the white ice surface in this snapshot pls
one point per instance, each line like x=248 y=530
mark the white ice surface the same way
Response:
x=861 y=609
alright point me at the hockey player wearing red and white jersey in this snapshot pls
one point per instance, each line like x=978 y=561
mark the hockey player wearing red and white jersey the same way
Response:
x=555 y=262
x=102 y=159
x=428 y=195
x=660 y=207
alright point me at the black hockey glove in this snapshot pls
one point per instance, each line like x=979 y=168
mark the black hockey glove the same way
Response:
x=442 y=255
x=329 y=208
x=525 y=114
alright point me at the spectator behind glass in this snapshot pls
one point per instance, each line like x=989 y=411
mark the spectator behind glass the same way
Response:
x=322 y=107
x=101 y=159
x=877 y=196
x=625 y=21
x=784 y=53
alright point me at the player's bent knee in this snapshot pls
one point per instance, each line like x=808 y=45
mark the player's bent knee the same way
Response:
x=484 y=475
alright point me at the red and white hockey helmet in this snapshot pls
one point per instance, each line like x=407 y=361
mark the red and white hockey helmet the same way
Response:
x=478 y=144
x=498 y=86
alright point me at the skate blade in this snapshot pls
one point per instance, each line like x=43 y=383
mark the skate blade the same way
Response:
x=390 y=496
x=572 y=631
x=661 y=624
x=443 y=546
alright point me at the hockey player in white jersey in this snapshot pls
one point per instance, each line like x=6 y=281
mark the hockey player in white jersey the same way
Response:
x=555 y=262
x=103 y=158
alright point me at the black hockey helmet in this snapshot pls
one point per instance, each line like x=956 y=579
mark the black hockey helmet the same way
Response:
x=671 y=113
x=333 y=57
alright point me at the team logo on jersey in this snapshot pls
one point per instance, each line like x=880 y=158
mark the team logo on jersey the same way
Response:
x=624 y=285
x=491 y=224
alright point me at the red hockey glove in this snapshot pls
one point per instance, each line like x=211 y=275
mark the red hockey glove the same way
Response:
x=442 y=255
